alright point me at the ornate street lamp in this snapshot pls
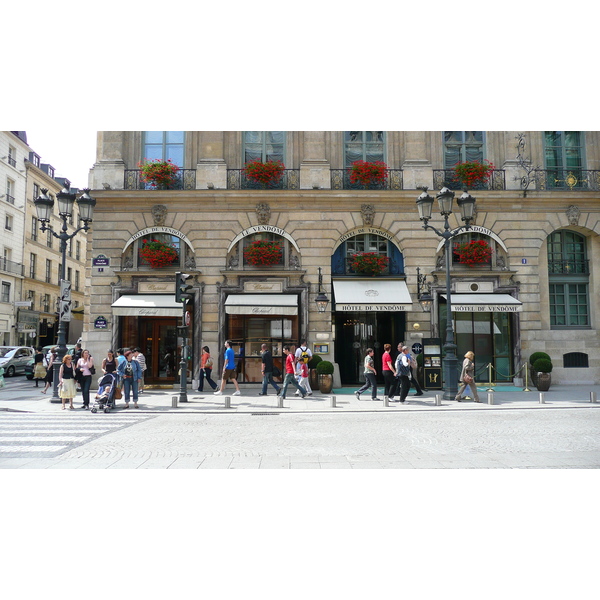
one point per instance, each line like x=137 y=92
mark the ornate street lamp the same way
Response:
x=424 y=291
x=466 y=204
x=322 y=300
x=43 y=206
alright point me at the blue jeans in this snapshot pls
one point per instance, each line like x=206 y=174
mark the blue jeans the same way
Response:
x=268 y=379
x=130 y=384
x=290 y=378
x=206 y=373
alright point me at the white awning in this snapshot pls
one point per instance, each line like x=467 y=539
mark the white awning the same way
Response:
x=261 y=304
x=485 y=303
x=371 y=295
x=147 y=305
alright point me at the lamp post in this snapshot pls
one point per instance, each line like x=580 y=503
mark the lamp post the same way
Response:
x=322 y=300
x=43 y=206
x=466 y=204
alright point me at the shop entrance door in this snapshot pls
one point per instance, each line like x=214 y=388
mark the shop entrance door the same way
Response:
x=158 y=340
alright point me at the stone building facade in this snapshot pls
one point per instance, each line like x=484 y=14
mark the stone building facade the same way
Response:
x=539 y=212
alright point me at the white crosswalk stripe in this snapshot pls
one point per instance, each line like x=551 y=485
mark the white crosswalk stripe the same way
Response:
x=49 y=435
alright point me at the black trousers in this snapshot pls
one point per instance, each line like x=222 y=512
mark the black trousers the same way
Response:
x=414 y=381
x=389 y=382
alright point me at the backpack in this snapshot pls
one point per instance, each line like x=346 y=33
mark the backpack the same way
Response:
x=304 y=357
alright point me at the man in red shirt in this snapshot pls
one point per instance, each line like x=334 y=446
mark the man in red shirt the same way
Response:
x=289 y=373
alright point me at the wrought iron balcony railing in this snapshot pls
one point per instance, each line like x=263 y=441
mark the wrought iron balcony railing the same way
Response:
x=9 y=266
x=10 y=199
x=447 y=178
x=569 y=267
x=340 y=180
x=185 y=180
x=237 y=180
x=12 y=162
x=563 y=179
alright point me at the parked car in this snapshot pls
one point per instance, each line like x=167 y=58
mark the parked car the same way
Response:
x=29 y=366
x=14 y=359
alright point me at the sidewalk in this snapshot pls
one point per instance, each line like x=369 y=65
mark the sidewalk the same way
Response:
x=161 y=401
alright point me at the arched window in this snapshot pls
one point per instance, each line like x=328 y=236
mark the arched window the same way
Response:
x=468 y=237
x=568 y=279
x=132 y=258
x=239 y=260
x=367 y=242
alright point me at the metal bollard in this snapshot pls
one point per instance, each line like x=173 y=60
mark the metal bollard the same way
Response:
x=438 y=399
x=386 y=401
x=333 y=402
x=490 y=397
x=280 y=401
x=593 y=397
x=542 y=401
x=227 y=401
x=174 y=401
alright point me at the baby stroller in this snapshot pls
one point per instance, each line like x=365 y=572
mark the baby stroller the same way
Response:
x=105 y=398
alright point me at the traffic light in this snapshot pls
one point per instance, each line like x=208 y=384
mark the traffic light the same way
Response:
x=182 y=288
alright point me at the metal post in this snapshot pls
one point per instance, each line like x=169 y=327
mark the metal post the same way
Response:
x=279 y=401
x=450 y=361
x=332 y=402
x=593 y=397
x=526 y=389
x=386 y=401
x=490 y=397
x=183 y=362
x=490 y=384
x=174 y=401
x=438 y=399
x=227 y=401
x=542 y=401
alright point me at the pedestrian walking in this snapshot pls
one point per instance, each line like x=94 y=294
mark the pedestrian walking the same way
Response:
x=302 y=377
x=402 y=374
x=129 y=371
x=137 y=355
x=66 y=381
x=303 y=355
x=370 y=373
x=85 y=365
x=413 y=374
x=39 y=366
x=229 y=370
x=467 y=377
x=289 y=374
x=389 y=373
x=49 y=379
x=267 y=370
x=206 y=367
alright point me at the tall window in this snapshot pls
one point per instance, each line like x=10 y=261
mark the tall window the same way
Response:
x=32 y=265
x=164 y=145
x=46 y=303
x=8 y=222
x=36 y=190
x=10 y=191
x=563 y=152
x=568 y=275
x=461 y=146
x=48 y=271
x=78 y=250
x=264 y=146
x=77 y=281
x=5 y=297
x=49 y=238
x=12 y=156
x=363 y=145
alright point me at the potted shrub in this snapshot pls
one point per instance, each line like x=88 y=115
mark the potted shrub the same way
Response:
x=158 y=254
x=263 y=253
x=160 y=174
x=532 y=359
x=325 y=370
x=368 y=173
x=473 y=173
x=543 y=368
x=369 y=263
x=267 y=174
x=312 y=370
x=474 y=253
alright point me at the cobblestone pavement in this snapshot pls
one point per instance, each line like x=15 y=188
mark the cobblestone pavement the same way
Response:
x=500 y=439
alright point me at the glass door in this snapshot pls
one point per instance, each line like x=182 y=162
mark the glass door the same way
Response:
x=159 y=345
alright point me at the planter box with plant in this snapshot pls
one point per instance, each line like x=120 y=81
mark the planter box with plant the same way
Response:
x=160 y=174
x=263 y=253
x=473 y=173
x=368 y=174
x=369 y=263
x=473 y=253
x=267 y=174
x=158 y=254
x=325 y=371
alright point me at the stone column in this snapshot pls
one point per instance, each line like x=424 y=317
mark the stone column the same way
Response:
x=108 y=171
x=211 y=167
x=314 y=168
x=417 y=162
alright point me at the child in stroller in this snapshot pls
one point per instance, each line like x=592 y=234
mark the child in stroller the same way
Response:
x=105 y=397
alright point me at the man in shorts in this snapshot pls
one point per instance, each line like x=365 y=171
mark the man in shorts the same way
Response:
x=229 y=371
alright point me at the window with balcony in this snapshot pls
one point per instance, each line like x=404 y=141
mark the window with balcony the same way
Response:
x=568 y=277
x=363 y=145
x=164 y=145
x=10 y=191
x=32 y=265
x=264 y=146
x=463 y=146
x=564 y=158
x=5 y=295
x=34 y=229
x=12 y=156
x=341 y=261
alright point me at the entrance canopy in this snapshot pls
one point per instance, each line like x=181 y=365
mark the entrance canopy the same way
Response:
x=485 y=303
x=371 y=295
x=147 y=305
x=261 y=304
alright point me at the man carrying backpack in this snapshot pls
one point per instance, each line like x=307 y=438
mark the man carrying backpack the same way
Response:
x=303 y=355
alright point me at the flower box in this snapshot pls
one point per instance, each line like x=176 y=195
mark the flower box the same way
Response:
x=369 y=263
x=474 y=253
x=158 y=254
x=267 y=174
x=368 y=173
x=160 y=174
x=473 y=173
x=263 y=253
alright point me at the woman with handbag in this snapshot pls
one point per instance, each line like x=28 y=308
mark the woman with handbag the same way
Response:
x=84 y=370
x=66 y=381
x=39 y=368
x=206 y=367
x=467 y=377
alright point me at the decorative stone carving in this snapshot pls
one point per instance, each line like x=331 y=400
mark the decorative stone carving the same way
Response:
x=159 y=214
x=294 y=261
x=368 y=214
x=190 y=262
x=234 y=261
x=501 y=262
x=263 y=212
x=573 y=214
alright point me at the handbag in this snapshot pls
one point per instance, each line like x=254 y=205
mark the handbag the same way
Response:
x=78 y=374
x=209 y=363
x=118 y=393
x=468 y=379
x=93 y=370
